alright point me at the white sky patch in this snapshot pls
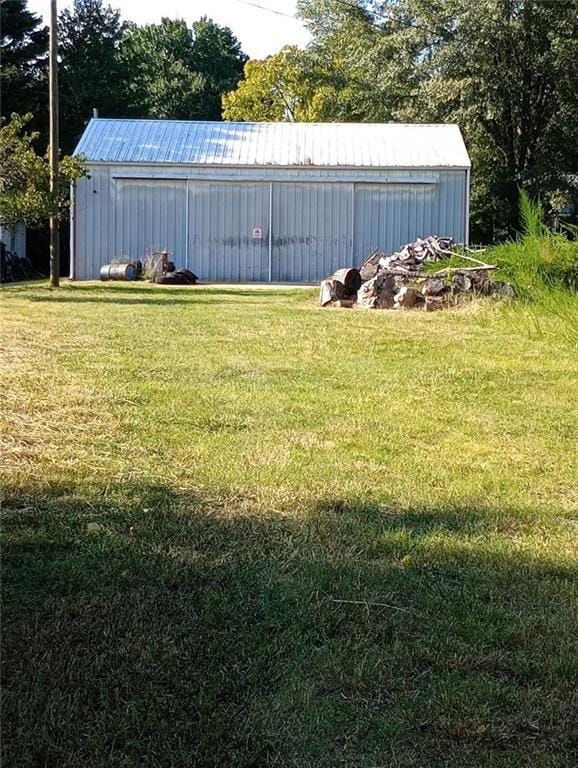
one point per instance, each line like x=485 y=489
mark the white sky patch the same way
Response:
x=260 y=32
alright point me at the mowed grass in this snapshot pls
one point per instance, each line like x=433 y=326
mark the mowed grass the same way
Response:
x=242 y=531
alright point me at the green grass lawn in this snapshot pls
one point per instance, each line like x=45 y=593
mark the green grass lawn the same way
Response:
x=242 y=531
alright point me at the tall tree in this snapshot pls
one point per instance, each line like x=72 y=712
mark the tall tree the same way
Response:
x=92 y=71
x=23 y=52
x=277 y=88
x=181 y=72
x=163 y=80
x=304 y=86
x=505 y=70
x=218 y=57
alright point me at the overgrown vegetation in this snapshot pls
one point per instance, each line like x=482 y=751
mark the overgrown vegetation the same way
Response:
x=539 y=261
x=239 y=530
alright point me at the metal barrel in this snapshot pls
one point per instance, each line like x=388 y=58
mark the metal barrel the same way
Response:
x=118 y=272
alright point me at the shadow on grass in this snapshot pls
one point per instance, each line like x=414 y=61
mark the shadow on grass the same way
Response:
x=165 y=296
x=148 y=627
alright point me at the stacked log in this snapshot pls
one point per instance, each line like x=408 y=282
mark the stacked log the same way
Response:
x=401 y=281
x=413 y=255
x=433 y=286
x=380 y=291
x=406 y=298
x=371 y=266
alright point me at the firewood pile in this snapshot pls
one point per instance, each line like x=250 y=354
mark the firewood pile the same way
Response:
x=401 y=280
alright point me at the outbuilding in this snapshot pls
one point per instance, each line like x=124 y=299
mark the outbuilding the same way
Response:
x=277 y=202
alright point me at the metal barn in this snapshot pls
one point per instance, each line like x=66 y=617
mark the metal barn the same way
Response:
x=277 y=202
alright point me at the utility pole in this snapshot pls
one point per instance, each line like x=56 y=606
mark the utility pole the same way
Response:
x=53 y=151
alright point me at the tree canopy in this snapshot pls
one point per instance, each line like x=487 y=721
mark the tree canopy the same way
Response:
x=91 y=72
x=181 y=72
x=25 y=177
x=167 y=70
x=23 y=51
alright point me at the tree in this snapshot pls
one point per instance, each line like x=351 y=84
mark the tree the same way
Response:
x=92 y=73
x=25 y=177
x=299 y=86
x=218 y=56
x=23 y=51
x=180 y=72
x=163 y=81
x=274 y=89
x=505 y=70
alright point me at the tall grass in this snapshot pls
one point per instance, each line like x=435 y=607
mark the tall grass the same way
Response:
x=543 y=268
x=539 y=261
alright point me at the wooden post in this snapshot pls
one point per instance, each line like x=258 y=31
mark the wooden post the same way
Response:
x=53 y=150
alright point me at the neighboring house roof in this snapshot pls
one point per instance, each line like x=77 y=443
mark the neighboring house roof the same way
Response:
x=323 y=145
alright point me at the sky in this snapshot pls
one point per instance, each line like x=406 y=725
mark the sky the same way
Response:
x=260 y=31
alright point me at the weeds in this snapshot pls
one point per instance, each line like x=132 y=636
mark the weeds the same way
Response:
x=539 y=261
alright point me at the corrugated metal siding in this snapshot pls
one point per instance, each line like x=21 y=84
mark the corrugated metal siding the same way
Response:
x=323 y=145
x=150 y=216
x=321 y=220
x=94 y=242
x=221 y=221
x=312 y=230
x=390 y=215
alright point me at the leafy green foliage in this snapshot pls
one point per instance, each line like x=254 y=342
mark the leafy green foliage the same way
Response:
x=275 y=89
x=163 y=83
x=538 y=264
x=301 y=86
x=91 y=72
x=505 y=70
x=532 y=216
x=218 y=57
x=23 y=50
x=180 y=72
x=25 y=177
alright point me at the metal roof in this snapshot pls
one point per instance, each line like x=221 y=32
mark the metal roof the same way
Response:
x=322 y=145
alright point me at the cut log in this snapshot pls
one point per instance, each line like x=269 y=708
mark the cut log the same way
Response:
x=370 y=266
x=462 y=282
x=325 y=293
x=331 y=290
x=506 y=290
x=433 y=286
x=378 y=292
x=405 y=298
x=482 y=283
x=344 y=303
x=350 y=278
